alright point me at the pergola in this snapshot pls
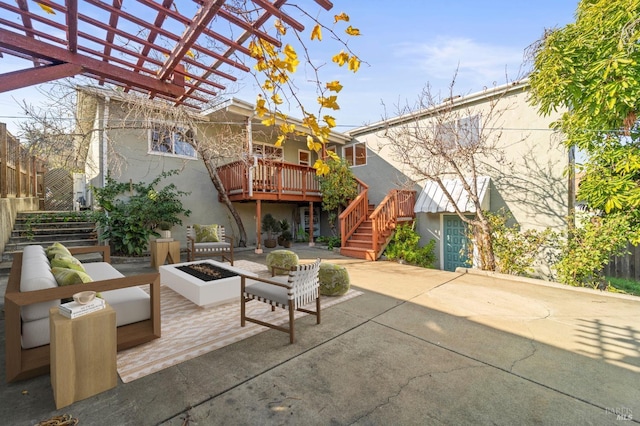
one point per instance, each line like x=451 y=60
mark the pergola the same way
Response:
x=181 y=51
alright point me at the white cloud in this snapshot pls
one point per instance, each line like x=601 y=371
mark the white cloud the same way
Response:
x=478 y=64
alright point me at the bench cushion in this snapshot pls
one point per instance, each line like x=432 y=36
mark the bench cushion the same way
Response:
x=131 y=304
x=36 y=275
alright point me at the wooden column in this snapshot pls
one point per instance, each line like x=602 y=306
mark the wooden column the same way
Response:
x=4 y=154
x=258 y=226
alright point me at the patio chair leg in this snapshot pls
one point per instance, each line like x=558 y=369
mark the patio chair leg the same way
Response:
x=318 y=310
x=292 y=337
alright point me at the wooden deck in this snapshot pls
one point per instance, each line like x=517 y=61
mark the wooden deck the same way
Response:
x=271 y=181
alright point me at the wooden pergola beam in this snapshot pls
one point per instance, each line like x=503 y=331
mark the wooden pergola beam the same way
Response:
x=43 y=74
x=38 y=49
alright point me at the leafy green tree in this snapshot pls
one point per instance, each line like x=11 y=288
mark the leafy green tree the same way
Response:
x=338 y=187
x=127 y=221
x=590 y=67
x=592 y=244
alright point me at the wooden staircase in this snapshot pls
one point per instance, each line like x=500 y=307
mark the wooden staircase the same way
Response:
x=366 y=229
x=45 y=228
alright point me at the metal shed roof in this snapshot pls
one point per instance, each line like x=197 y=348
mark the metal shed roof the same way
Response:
x=433 y=200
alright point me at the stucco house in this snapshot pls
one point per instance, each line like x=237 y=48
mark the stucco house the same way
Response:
x=258 y=176
x=527 y=179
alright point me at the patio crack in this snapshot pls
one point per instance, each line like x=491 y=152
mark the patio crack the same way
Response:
x=408 y=382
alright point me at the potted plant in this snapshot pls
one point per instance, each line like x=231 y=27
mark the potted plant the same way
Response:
x=284 y=227
x=286 y=239
x=270 y=226
x=165 y=229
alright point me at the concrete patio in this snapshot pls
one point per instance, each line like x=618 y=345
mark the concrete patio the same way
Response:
x=419 y=347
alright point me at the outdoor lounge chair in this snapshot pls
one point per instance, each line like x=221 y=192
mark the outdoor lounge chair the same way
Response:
x=223 y=246
x=290 y=292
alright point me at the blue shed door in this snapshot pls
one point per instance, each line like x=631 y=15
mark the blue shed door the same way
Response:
x=455 y=242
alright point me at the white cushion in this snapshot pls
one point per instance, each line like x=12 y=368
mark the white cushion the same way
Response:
x=99 y=271
x=132 y=304
x=35 y=333
x=270 y=292
x=201 y=246
x=36 y=275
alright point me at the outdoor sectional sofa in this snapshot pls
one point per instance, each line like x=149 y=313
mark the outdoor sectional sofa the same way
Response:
x=31 y=293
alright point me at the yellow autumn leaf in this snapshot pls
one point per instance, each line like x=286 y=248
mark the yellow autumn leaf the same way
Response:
x=255 y=50
x=290 y=52
x=331 y=122
x=268 y=85
x=310 y=142
x=321 y=167
x=334 y=86
x=281 y=28
x=276 y=99
x=46 y=8
x=352 y=31
x=342 y=17
x=261 y=109
x=280 y=140
x=354 y=64
x=333 y=155
x=269 y=121
x=287 y=128
x=190 y=54
x=316 y=33
x=329 y=102
x=341 y=58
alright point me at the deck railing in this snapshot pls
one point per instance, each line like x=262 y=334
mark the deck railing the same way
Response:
x=275 y=180
x=20 y=172
x=397 y=203
x=355 y=213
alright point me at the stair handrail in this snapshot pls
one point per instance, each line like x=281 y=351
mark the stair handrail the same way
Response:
x=397 y=203
x=355 y=213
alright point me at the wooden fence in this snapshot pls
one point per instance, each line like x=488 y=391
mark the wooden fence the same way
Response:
x=21 y=174
x=625 y=266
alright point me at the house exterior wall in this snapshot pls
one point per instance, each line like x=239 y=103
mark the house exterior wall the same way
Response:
x=129 y=159
x=527 y=180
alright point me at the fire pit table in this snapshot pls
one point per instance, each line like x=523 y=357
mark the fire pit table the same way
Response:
x=205 y=282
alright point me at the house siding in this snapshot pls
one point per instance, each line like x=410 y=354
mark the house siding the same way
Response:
x=528 y=180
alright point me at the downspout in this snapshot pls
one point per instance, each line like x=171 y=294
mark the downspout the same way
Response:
x=105 y=122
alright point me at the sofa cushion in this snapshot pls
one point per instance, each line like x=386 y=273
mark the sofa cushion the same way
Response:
x=206 y=233
x=35 y=333
x=36 y=275
x=131 y=304
x=57 y=249
x=68 y=262
x=66 y=276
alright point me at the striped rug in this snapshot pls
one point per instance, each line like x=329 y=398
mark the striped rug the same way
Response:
x=189 y=331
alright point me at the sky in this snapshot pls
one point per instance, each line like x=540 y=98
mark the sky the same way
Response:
x=405 y=46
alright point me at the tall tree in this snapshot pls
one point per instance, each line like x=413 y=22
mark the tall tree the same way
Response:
x=590 y=67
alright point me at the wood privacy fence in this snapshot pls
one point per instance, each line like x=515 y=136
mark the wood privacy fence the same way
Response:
x=627 y=266
x=21 y=174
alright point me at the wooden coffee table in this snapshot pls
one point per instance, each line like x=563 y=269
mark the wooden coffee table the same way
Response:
x=203 y=293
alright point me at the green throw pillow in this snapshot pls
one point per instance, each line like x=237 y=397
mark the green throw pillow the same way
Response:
x=57 y=249
x=65 y=276
x=206 y=233
x=68 y=262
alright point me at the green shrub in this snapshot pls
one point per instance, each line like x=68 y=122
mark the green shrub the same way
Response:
x=127 y=221
x=332 y=241
x=516 y=251
x=404 y=245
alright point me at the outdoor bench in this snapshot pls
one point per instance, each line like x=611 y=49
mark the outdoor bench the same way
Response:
x=30 y=295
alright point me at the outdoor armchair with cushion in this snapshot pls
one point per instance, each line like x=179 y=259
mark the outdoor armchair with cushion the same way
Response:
x=289 y=292
x=209 y=241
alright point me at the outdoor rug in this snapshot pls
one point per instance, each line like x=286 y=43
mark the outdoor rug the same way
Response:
x=189 y=331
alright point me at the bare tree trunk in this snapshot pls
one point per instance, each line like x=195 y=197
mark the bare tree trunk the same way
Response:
x=217 y=183
x=485 y=247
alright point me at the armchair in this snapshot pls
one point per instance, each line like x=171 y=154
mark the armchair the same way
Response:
x=223 y=247
x=290 y=292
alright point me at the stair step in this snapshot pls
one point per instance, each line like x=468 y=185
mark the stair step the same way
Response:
x=358 y=253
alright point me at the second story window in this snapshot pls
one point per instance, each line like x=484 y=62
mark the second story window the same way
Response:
x=270 y=152
x=463 y=132
x=172 y=140
x=356 y=154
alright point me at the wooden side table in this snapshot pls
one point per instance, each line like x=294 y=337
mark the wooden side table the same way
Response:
x=162 y=251
x=83 y=355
